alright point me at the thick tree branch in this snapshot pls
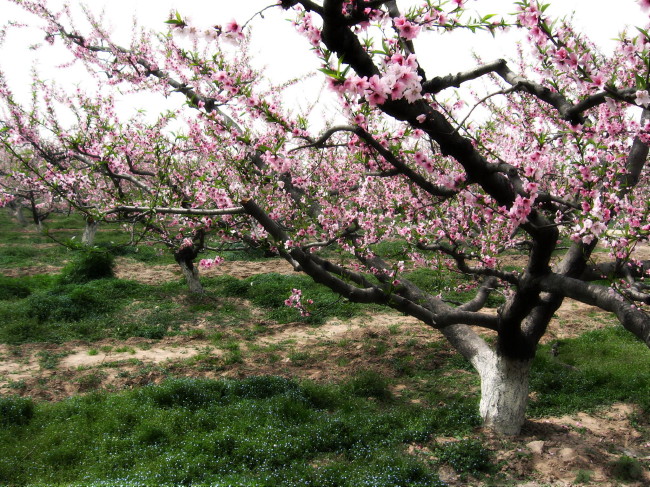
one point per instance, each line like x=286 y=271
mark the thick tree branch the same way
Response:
x=439 y=83
x=636 y=160
x=322 y=272
x=615 y=269
x=633 y=319
x=488 y=286
x=557 y=100
x=572 y=113
x=403 y=168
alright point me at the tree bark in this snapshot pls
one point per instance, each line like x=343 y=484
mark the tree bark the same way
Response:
x=90 y=230
x=504 y=392
x=504 y=380
x=191 y=274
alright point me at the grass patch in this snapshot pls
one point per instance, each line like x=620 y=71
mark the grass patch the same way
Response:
x=263 y=431
x=626 y=469
x=15 y=411
x=598 y=368
x=27 y=255
x=87 y=266
x=467 y=456
x=269 y=291
x=101 y=308
x=13 y=288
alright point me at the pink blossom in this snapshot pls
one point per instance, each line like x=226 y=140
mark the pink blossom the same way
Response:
x=209 y=263
x=598 y=81
x=375 y=99
x=233 y=31
x=407 y=30
x=295 y=301
x=520 y=209
x=187 y=242
x=356 y=85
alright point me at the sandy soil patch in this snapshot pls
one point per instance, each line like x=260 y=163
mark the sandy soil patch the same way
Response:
x=155 y=274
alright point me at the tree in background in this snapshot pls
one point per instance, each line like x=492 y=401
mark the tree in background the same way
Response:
x=558 y=156
x=19 y=191
x=84 y=165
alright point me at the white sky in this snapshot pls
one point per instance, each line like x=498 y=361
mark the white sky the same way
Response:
x=285 y=54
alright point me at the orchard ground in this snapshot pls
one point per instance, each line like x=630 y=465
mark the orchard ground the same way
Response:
x=582 y=426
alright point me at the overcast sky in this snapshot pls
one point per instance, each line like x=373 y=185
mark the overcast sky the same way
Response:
x=282 y=52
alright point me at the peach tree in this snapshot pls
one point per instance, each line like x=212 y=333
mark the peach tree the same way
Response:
x=543 y=156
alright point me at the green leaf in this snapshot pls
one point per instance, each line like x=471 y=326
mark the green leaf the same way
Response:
x=331 y=73
x=640 y=81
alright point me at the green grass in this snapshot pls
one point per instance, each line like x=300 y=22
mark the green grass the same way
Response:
x=87 y=266
x=12 y=288
x=452 y=286
x=102 y=308
x=598 y=368
x=467 y=456
x=264 y=431
x=269 y=291
x=12 y=256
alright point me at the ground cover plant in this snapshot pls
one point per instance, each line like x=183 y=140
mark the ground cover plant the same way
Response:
x=258 y=431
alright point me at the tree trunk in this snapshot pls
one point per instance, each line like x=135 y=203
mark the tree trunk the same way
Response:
x=17 y=210
x=90 y=230
x=191 y=274
x=504 y=381
x=504 y=392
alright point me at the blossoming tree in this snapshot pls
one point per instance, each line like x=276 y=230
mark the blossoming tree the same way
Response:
x=561 y=155
x=125 y=173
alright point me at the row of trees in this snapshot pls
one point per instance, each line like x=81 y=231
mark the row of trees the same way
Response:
x=561 y=157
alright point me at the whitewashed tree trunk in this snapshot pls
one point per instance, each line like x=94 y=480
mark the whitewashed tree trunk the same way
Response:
x=90 y=230
x=504 y=392
x=191 y=274
x=504 y=381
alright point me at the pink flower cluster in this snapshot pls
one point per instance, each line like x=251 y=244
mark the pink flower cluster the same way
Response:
x=295 y=301
x=209 y=263
x=407 y=30
x=400 y=80
x=233 y=32
x=520 y=209
x=307 y=28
